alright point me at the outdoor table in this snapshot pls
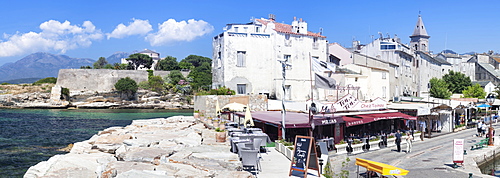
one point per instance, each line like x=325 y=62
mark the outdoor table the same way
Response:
x=253 y=130
x=232 y=131
x=265 y=138
x=329 y=142
x=232 y=124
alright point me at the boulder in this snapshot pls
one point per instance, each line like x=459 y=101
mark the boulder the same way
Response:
x=143 y=154
x=70 y=165
x=112 y=138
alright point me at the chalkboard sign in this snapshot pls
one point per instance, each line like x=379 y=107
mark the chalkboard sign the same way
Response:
x=304 y=155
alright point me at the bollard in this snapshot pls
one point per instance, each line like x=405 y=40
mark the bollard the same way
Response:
x=465 y=152
x=470 y=175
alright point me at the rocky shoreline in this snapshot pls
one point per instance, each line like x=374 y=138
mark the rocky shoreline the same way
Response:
x=111 y=100
x=179 y=146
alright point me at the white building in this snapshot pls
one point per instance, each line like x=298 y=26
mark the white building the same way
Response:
x=246 y=58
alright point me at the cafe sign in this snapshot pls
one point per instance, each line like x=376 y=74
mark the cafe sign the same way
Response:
x=351 y=103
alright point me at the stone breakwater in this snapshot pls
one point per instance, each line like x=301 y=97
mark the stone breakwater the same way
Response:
x=179 y=146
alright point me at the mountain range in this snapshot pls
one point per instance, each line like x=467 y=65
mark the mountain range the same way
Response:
x=41 y=65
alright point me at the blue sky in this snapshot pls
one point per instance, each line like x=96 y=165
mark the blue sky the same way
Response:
x=93 y=29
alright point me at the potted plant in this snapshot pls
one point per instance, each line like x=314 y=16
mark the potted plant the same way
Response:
x=196 y=114
x=222 y=125
x=340 y=147
x=215 y=123
x=220 y=135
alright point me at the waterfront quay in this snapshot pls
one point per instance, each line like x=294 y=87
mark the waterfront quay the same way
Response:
x=429 y=158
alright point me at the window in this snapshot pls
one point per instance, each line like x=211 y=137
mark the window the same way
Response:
x=384 y=75
x=236 y=29
x=385 y=47
x=287 y=36
x=241 y=55
x=288 y=59
x=245 y=29
x=241 y=89
x=257 y=29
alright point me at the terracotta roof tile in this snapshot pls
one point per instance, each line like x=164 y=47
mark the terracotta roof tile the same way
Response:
x=285 y=28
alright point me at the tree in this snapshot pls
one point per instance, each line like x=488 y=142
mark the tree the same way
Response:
x=156 y=83
x=175 y=76
x=186 y=65
x=457 y=82
x=202 y=76
x=497 y=91
x=139 y=60
x=99 y=64
x=197 y=60
x=439 y=88
x=169 y=63
x=127 y=87
x=108 y=66
x=474 y=91
x=85 y=67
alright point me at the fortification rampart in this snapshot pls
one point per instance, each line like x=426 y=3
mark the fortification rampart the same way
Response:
x=100 y=80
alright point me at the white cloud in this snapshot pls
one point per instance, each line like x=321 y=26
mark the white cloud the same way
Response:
x=54 y=36
x=137 y=27
x=171 y=30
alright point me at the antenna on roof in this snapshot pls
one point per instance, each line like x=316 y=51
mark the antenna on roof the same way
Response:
x=381 y=35
x=320 y=30
x=272 y=17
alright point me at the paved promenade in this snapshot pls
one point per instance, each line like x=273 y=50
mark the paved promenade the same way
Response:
x=429 y=158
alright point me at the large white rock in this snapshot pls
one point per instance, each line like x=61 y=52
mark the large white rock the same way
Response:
x=71 y=165
x=143 y=154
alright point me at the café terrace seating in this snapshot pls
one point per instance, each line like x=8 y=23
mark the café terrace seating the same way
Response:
x=247 y=144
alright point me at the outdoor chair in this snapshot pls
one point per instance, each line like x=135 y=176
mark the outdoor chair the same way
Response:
x=250 y=159
x=242 y=146
x=256 y=145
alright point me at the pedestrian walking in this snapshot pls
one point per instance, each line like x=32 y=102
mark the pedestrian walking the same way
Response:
x=484 y=127
x=398 y=140
x=479 y=129
x=409 y=140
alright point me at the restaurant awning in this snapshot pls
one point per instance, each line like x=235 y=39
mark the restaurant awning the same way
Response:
x=367 y=118
x=381 y=168
x=292 y=119
x=301 y=120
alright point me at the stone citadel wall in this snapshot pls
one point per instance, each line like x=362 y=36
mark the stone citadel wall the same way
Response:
x=100 y=80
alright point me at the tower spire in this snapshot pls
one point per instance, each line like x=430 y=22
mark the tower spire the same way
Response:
x=420 y=38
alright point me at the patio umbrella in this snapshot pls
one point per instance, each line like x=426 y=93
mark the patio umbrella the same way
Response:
x=381 y=168
x=484 y=106
x=217 y=108
x=234 y=107
x=248 y=117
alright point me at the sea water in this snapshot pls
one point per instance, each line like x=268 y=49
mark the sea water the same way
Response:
x=29 y=136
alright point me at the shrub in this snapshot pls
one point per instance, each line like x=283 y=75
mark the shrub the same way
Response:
x=126 y=86
x=219 y=91
x=46 y=80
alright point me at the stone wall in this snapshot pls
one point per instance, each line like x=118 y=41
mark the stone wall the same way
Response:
x=100 y=80
x=206 y=104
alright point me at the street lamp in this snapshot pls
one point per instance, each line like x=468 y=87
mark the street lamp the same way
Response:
x=490 y=99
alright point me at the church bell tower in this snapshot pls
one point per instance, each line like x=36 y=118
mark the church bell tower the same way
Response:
x=419 y=38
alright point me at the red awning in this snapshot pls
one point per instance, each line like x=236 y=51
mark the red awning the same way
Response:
x=351 y=121
x=367 y=118
x=388 y=115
